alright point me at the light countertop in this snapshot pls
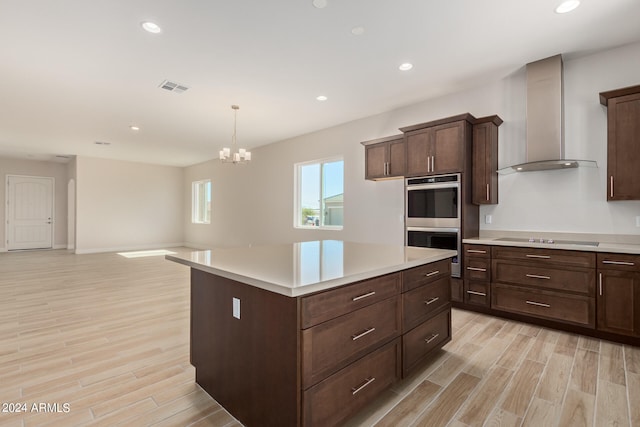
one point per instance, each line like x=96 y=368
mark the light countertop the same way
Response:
x=622 y=248
x=301 y=268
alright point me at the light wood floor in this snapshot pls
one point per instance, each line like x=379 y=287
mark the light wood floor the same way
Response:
x=109 y=336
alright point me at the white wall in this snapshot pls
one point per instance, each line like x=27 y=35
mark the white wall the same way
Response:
x=254 y=204
x=126 y=205
x=573 y=200
x=11 y=166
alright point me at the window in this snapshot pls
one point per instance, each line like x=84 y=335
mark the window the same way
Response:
x=320 y=194
x=201 y=202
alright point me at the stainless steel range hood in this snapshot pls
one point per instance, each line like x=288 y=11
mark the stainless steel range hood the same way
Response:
x=545 y=120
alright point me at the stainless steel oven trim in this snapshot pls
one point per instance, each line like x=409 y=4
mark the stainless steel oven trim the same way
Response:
x=451 y=184
x=433 y=222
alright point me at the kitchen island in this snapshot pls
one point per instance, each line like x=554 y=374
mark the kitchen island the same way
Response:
x=308 y=333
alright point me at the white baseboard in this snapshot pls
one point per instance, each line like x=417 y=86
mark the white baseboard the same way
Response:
x=198 y=246
x=80 y=251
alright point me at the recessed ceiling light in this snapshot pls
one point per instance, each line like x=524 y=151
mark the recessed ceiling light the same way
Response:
x=319 y=4
x=134 y=128
x=357 y=31
x=321 y=98
x=405 y=67
x=151 y=27
x=567 y=6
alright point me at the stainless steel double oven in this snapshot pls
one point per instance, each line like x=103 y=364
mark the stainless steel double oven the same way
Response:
x=432 y=214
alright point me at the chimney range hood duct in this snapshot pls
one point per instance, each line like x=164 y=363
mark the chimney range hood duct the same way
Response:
x=545 y=120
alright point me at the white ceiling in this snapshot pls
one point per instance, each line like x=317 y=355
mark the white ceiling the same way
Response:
x=73 y=72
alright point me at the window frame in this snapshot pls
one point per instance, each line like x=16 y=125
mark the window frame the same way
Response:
x=297 y=208
x=195 y=198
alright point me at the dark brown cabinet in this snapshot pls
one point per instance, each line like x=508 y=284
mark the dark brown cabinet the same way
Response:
x=484 y=165
x=550 y=284
x=623 y=142
x=477 y=275
x=384 y=158
x=426 y=308
x=619 y=294
x=597 y=294
x=438 y=147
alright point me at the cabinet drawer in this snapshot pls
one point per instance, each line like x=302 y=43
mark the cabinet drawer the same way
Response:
x=350 y=389
x=543 y=277
x=477 y=269
x=418 y=343
x=478 y=293
x=327 y=305
x=548 y=256
x=477 y=251
x=420 y=303
x=419 y=276
x=331 y=345
x=567 y=308
x=624 y=262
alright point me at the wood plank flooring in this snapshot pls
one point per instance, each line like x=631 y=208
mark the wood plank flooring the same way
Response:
x=100 y=339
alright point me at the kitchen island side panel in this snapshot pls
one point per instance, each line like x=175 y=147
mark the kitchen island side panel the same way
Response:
x=248 y=365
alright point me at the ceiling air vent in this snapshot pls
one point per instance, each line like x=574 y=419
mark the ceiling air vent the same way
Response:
x=173 y=86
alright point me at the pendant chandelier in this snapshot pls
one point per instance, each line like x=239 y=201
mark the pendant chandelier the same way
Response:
x=234 y=154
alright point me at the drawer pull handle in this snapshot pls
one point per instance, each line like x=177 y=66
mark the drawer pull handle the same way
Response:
x=539 y=304
x=538 y=256
x=481 y=294
x=432 y=300
x=366 y=383
x=618 y=262
x=537 y=276
x=476 y=251
x=431 y=338
x=370 y=294
x=476 y=269
x=360 y=335
x=432 y=273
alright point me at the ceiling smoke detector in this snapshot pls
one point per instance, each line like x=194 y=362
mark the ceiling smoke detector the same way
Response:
x=173 y=86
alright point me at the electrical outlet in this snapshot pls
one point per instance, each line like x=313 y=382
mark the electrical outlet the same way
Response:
x=488 y=219
x=236 y=308
x=638 y=221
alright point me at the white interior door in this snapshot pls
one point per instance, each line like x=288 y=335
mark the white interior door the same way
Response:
x=29 y=212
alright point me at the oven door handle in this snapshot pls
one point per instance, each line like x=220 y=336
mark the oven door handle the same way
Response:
x=432 y=186
x=432 y=229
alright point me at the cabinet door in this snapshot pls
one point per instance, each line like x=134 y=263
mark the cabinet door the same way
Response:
x=448 y=148
x=375 y=159
x=619 y=302
x=623 y=152
x=396 y=158
x=418 y=152
x=485 y=164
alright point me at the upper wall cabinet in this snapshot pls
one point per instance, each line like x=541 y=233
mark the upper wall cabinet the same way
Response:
x=623 y=142
x=384 y=158
x=438 y=147
x=484 y=165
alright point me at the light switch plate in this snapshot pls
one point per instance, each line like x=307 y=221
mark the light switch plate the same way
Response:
x=488 y=219
x=236 y=308
x=638 y=221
